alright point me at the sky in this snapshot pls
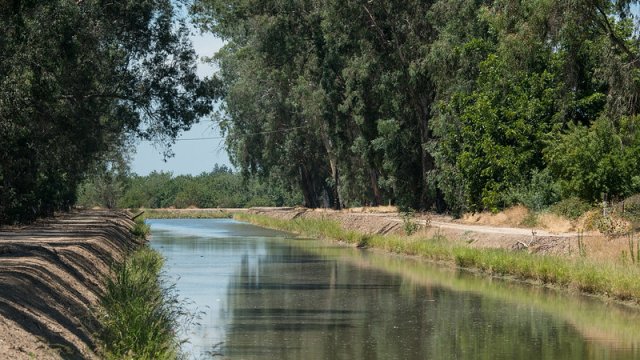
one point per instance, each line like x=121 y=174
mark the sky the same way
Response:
x=191 y=156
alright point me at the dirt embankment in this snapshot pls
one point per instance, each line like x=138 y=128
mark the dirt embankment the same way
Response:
x=51 y=275
x=496 y=231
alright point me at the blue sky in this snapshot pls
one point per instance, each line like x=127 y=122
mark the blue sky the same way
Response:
x=192 y=156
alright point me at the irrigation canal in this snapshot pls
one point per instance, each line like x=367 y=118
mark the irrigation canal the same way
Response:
x=262 y=294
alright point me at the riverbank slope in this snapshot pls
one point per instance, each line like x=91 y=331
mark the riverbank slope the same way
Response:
x=51 y=276
x=564 y=259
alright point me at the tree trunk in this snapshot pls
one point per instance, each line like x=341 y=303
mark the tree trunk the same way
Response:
x=308 y=191
x=377 y=199
x=333 y=163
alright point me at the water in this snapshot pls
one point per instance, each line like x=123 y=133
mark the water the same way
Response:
x=264 y=295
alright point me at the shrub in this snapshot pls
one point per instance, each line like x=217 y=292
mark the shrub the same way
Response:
x=540 y=192
x=571 y=208
x=140 y=230
x=409 y=225
x=601 y=158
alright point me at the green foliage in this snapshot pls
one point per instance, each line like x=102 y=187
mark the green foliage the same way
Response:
x=538 y=194
x=107 y=180
x=140 y=229
x=76 y=78
x=409 y=225
x=439 y=104
x=599 y=159
x=139 y=317
x=218 y=188
x=447 y=105
x=503 y=123
x=531 y=220
x=571 y=208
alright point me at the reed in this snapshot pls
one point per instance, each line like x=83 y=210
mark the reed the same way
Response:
x=139 y=316
x=140 y=229
x=611 y=280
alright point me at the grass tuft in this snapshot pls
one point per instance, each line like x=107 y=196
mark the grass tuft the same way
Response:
x=139 y=317
x=140 y=229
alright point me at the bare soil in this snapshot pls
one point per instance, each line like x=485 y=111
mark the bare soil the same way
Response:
x=51 y=276
x=553 y=235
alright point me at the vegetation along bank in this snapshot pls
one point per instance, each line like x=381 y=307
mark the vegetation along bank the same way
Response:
x=570 y=269
x=83 y=285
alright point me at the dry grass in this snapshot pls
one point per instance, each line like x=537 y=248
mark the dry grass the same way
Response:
x=555 y=223
x=374 y=209
x=512 y=217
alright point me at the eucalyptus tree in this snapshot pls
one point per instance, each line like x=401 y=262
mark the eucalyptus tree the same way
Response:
x=536 y=68
x=273 y=108
x=328 y=92
x=453 y=104
x=76 y=76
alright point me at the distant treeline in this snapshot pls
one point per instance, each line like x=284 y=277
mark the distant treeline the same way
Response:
x=452 y=105
x=219 y=188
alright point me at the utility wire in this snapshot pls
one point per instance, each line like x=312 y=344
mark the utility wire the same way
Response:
x=257 y=133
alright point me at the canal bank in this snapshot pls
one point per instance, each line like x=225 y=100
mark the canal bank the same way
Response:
x=609 y=279
x=52 y=276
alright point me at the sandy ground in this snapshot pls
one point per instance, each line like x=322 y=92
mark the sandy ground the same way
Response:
x=51 y=274
x=554 y=237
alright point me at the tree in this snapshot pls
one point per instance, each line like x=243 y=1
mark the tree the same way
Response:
x=76 y=76
x=107 y=180
x=602 y=159
x=445 y=104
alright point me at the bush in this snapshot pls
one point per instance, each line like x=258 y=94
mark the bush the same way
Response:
x=409 y=225
x=611 y=225
x=571 y=208
x=140 y=230
x=596 y=160
x=538 y=194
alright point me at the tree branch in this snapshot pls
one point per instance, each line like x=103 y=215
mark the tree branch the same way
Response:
x=608 y=28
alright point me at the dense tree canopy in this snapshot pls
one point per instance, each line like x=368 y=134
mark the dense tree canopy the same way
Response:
x=75 y=78
x=451 y=105
x=447 y=104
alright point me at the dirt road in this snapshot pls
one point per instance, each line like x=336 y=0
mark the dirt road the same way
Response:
x=564 y=243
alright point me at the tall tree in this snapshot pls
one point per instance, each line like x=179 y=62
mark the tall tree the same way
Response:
x=452 y=104
x=75 y=76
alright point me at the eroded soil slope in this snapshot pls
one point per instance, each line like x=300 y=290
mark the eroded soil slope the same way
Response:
x=51 y=274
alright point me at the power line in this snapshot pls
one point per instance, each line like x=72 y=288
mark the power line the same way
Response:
x=257 y=133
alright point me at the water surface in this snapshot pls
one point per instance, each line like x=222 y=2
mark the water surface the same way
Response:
x=265 y=295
